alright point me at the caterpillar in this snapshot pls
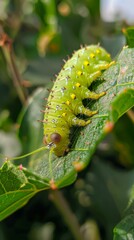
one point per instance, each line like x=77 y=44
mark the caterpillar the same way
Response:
x=70 y=88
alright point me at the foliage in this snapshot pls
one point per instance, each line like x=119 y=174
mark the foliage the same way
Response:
x=43 y=33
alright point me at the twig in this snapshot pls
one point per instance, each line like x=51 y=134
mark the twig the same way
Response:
x=6 y=44
x=130 y=114
x=69 y=217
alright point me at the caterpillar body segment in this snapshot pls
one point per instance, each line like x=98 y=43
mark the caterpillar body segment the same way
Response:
x=70 y=88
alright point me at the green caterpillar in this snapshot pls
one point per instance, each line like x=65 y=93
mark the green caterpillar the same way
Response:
x=70 y=88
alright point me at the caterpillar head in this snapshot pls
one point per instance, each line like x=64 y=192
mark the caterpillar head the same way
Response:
x=58 y=141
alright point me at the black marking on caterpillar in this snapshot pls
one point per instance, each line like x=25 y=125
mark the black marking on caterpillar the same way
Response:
x=70 y=88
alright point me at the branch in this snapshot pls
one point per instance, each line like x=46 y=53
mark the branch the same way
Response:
x=6 y=44
x=130 y=114
x=69 y=217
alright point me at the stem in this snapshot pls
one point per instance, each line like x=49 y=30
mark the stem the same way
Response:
x=130 y=114
x=6 y=44
x=69 y=217
x=9 y=56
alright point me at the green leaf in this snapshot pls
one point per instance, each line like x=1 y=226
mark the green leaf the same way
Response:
x=16 y=188
x=118 y=82
x=129 y=33
x=122 y=104
x=125 y=229
x=107 y=188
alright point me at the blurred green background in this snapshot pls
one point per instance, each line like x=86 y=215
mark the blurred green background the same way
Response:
x=43 y=33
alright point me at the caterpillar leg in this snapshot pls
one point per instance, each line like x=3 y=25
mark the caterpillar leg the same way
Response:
x=93 y=95
x=78 y=108
x=85 y=93
x=93 y=76
x=78 y=122
x=86 y=111
x=103 y=65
